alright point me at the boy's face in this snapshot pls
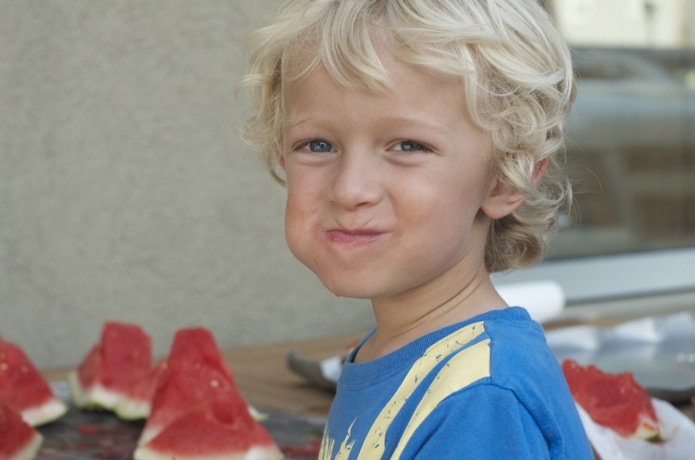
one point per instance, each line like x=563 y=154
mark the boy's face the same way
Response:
x=387 y=193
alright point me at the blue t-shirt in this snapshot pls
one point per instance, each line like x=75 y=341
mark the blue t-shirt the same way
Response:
x=487 y=388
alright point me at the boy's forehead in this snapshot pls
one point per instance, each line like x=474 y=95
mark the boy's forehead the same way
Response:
x=371 y=71
x=420 y=96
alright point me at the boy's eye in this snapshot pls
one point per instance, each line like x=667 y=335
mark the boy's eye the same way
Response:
x=410 y=146
x=317 y=146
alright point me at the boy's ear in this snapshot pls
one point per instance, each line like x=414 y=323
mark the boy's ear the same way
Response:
x=539 y=170
x=503 y=199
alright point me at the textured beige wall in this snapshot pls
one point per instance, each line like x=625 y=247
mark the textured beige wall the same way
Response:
x=125 y=192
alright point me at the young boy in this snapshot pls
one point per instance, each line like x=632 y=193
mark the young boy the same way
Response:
x=418 y=139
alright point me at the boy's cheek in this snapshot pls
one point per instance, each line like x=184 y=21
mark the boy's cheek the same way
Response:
x=297 y=227
x=301 y=246
x=292 y=235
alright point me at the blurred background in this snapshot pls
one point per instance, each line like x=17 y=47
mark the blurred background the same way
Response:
x=629 y=244
x=126 y=193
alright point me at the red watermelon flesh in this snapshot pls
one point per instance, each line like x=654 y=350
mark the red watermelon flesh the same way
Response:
x=615 y=401
x=217 y=429
x=136 y=403
x=196 y=372
x=24 y=388
x=18 y=440
x=122 y=356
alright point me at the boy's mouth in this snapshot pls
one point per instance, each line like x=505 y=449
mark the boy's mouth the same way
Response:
x=353 y=236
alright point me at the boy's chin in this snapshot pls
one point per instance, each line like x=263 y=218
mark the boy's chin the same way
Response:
x=352 y=290
x=348 y=293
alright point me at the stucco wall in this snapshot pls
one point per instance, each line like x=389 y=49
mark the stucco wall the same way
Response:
x=125 y=192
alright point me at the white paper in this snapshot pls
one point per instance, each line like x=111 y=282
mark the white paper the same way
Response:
x=331 y=368
x=584 y=337
x=544 y=300
x=678 y=430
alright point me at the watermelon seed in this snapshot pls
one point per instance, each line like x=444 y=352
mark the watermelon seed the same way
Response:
x=214 y=383
x=4 y=367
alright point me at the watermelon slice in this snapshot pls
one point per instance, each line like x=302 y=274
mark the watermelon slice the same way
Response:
x=24 y=388
x=122 y=356
x=136 y=403
x=217 y=429
x=18 y=440
x=615 y=401
x=196 y=372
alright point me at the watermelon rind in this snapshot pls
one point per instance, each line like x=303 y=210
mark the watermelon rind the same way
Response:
x=257 y=415
x=136 y=403
x=648 y=430
x=47 y=412
x=94 y=397
x=255 y=453
x=130 y=409
x=31 y=450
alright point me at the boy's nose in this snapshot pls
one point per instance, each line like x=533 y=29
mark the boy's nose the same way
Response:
x=357 y=180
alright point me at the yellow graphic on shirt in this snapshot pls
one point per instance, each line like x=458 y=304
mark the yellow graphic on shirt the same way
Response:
x=473 y=365
x=468 y=366
x=328 y=443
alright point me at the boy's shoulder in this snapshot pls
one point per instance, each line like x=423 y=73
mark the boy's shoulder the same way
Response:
x=516 y=351
x=502 y=349
x=522 y=365
x=509 y=332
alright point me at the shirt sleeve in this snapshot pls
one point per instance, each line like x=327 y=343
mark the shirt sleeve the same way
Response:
x=482 y=422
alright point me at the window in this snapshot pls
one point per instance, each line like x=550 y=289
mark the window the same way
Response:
x=630 y=151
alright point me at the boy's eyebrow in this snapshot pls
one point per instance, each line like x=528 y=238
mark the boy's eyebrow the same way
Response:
x=399 y=121
x=290 y=123
x=417 y=122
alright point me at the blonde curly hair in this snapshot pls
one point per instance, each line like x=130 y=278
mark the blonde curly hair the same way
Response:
x=515 y=66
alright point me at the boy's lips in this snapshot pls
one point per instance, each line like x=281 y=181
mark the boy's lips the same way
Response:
x=353 y=236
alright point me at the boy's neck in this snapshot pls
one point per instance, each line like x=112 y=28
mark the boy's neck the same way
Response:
x=412 y=315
